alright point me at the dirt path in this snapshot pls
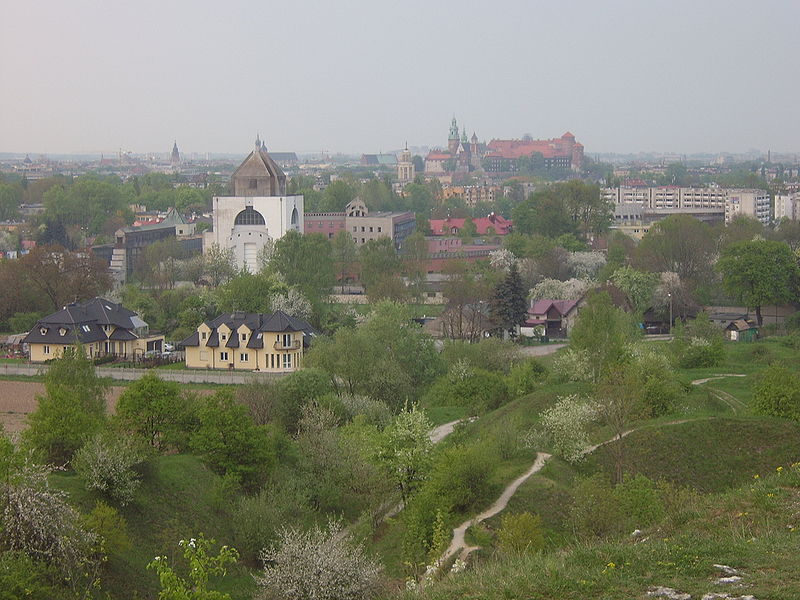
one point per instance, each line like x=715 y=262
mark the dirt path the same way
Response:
x=458 y=543
x=725 y=397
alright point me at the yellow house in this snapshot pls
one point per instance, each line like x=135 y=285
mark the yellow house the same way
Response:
x=100 y=326
x=249 y=341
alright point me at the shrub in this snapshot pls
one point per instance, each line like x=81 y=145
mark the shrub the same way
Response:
x=777 y=393
x=105 y=463
x=322 y=563
x=573 y=365
x=520 y=533
x=376 y=412
x=698 y=344
x=110 y=526
x=491 y=354
x=595 y=511
x=639 y=500
x=476 y=389
x=524 y=377
x=460 y=476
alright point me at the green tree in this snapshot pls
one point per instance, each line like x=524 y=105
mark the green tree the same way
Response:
x=379 y=261
x=337 y=196
x=72 y=409
x=603 y=332
x=154 y=409
x=219 y=265
x=9 y=202
x=249 y=292
x=759 y=272
x=508 y=306
x=679 y=244
x=230 y=443
x=543 y=213
x=405 y=450
x=344 y=254
x=305 y=261
x=639 y=286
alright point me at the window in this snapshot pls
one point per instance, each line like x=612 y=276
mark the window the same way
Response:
x=249 y=216
x=223 y=356
x=287 y=361
x=244 y=337
x=204 y=355
x=202 y=335
x=380 y=229
x=287 y=340
x=46 y=349
x=244 y=357
x=355 y=228
x=43 y=330
x=223 y=336
x=253 y=184
x=271 y=361
x=363 y=229
x=86 y=328
x=371 y=230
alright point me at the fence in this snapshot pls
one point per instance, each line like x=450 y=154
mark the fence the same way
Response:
x=126 y=374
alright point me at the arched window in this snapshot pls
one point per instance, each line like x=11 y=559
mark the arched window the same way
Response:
x=294 y=217
x=249 y=217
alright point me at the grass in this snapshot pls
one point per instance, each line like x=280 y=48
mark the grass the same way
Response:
x=753 y=528
x=178 y=498
x=439 y=415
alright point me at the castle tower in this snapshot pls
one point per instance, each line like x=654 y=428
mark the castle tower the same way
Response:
x=452 y=140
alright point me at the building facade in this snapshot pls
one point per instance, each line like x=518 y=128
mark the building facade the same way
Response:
x=405 y=167
x=258 y=212
x=99 y=326
x=362 y=225
x=249 y=341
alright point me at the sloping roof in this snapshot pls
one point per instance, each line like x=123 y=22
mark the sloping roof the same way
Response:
x=563 y=307
x=498 y=223
x=82 y=322
x=259 y=164
x=258 y=323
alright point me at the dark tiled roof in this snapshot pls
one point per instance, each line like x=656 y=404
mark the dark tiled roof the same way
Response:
x=258 y=323
x=83 y=323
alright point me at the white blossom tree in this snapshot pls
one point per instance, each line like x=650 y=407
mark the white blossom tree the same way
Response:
x=321 y=563
x=585 y=265
x=293 y=303
x=406 y=449
x=502 y=259
x=566 y=425
x=105 y=462
x=553 y=289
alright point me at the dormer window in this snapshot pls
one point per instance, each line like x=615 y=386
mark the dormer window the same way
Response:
x=203 y=335
x=244 y=337
x=62 y=331
x=86 y=328
x=43 y=330
x=224 y=336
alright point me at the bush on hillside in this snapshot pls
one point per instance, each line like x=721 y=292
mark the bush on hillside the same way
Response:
x=491 y=354
x=698 y=344
x=322 y=563
x=525 y=376
x=106 y=462
x=777 y=393
x=520 y=533
x=476 y=389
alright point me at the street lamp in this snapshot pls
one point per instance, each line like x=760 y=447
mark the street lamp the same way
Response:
x=669 y=295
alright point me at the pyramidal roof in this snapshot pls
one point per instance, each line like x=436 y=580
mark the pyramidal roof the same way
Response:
x=259 y=175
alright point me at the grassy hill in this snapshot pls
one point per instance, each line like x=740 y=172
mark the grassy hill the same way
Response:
x=178 y=498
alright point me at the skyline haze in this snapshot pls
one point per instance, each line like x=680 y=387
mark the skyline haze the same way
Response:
x=682 y=77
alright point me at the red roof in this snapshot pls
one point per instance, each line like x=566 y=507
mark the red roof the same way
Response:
x=517 y=148
x=540 y=307
x=498 y=223
x=438 y=156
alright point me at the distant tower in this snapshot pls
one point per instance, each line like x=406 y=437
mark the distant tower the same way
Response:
x=175 y=157
x=405 y=167
x=452 y=140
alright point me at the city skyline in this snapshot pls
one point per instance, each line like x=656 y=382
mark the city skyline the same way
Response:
x=676 y=77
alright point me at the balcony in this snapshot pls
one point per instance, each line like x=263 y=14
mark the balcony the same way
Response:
x=293 y=345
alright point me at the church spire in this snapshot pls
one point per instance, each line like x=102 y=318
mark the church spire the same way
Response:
x=258 y=141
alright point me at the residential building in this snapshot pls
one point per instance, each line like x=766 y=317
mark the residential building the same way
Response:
x=787 y=206
x=100 y=326
x=258 y=212
x=249 y=341
x=750 y=202
x=362 y=225
x=472 y=194
x=635 y=220
x=553 y=318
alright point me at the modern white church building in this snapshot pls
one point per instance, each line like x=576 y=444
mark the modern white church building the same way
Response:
x=258 y=212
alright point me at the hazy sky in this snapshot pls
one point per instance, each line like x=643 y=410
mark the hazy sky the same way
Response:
x=364 y=76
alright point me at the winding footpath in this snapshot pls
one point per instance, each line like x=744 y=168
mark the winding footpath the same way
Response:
x=458 y=544
x=729 y=399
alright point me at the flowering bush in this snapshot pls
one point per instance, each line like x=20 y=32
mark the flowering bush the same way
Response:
x=566 y=426
x=322 y=563
x=202 y=565
x=573 y=365
x=38 y=521
x=585 y=265
x=105 y=463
